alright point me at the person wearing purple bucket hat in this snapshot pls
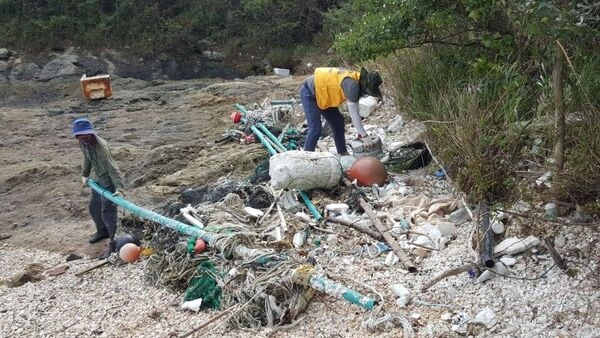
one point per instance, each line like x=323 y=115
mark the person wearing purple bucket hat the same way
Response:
x=97 y=156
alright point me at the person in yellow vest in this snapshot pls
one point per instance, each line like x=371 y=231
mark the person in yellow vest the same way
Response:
x=322 y=94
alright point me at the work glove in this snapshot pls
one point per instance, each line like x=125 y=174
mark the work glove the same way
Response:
x=119 y=192
x=84 y=181
x=369 y=142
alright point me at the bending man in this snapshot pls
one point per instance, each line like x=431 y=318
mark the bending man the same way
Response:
x=322 y=94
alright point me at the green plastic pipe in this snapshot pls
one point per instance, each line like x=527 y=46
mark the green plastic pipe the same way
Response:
x=280 y=148
x=151 y=215
x=271 y=136
x=263 y=140
x=255 y=130
x=272 y=151
x=329 y=287
x=282 y=103
x=310 y=205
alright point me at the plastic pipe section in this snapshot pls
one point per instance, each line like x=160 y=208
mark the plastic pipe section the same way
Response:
x=150 y=215
x=323 y=284
x=487 y=254
x=270 y=135
x=310 y=205
x=272 y=151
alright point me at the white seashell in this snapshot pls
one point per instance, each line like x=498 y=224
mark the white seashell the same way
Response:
x=391 y=259
x=299 y=239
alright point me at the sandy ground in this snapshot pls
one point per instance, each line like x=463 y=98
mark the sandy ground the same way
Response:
x=162 y=137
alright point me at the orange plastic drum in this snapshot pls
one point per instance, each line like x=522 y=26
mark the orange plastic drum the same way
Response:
x=368 y=171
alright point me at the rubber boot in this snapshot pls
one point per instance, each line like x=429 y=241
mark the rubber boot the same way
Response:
x=112 y=247
x=98 y=236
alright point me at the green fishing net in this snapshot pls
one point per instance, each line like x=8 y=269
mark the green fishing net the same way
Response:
x=204 y=285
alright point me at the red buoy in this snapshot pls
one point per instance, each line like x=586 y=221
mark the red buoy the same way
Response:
x=200 y=246
x=129 y=253
x=368 y=171
x=236 y=117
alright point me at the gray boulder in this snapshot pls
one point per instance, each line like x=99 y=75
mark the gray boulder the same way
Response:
x=25 y=71
x=4 y=53
x=61 y=66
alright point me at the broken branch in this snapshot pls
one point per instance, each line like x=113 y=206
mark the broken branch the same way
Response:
x=446 y=274
x=101 y=264
x=349 y=224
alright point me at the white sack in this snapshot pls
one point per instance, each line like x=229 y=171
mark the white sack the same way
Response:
x=304 y=170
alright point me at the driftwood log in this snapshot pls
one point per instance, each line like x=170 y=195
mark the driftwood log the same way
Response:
x=400 y=253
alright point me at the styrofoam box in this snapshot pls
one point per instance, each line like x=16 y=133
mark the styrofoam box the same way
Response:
x=281 y=71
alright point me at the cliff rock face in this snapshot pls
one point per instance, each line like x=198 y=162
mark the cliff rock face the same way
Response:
x=15 y=66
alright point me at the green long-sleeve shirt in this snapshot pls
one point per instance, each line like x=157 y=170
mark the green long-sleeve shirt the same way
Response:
x=98 y=157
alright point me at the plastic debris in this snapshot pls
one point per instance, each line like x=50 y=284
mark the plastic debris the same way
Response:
x=395 y=124
x=497 y=227
x=289 y=201
x=487 y=317
x=440 y=174
x=391 y=259
x=560 y=241
x=459 y=323
x=192 y=305
x=403 y=293
x=459 y=216
x=376 y=249
x=346 y=161
x=514 y=245
x=253 y=212
x=299 y=238
x=508 y=260
x=498 y=269
x=304 y=170
x=551 y=212
x=544 y=180
x=447 y=229
x=337 y=208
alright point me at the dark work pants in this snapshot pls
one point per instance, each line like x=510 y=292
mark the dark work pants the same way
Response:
x=104 y=213
x=313 y=114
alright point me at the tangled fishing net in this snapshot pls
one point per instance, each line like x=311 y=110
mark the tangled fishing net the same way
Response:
x=239 y=270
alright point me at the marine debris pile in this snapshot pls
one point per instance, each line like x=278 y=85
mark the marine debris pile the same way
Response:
x=261 y=252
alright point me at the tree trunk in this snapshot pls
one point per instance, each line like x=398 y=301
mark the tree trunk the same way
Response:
x=559 y=113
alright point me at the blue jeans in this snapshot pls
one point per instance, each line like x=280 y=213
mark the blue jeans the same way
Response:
x=104 y=213
x=313 y=114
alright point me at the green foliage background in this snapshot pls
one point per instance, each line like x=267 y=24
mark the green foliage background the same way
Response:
x=147 y=27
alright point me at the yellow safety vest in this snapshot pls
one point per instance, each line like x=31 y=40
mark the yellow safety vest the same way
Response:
x=328 y=85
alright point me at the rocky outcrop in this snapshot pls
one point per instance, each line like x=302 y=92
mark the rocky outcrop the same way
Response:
x=75 y=62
